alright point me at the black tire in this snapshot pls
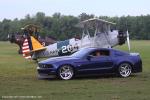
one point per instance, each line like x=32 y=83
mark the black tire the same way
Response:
x=66 y=72
x=124 y=70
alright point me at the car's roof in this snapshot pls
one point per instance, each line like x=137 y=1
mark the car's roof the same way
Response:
x=95 y=48
x=111 y=49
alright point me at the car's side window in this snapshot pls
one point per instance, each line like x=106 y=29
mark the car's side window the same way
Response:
x=95 y=53
x=105 y=52
x=99 y=53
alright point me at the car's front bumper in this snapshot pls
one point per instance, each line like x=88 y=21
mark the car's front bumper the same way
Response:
x=46 y=73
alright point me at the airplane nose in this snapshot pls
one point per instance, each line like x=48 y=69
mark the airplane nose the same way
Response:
x=122 y=37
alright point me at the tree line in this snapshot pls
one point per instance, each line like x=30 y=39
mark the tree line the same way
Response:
x=63 y=27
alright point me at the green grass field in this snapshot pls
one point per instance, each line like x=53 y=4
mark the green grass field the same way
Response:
x=18 y=77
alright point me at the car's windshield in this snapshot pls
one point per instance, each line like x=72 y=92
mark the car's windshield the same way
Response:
x=81 y=53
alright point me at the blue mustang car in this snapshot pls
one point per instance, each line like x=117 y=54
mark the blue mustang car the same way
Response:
x=90 y=61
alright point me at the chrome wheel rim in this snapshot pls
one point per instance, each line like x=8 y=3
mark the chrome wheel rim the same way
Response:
x=125 y=70
x=66 y=72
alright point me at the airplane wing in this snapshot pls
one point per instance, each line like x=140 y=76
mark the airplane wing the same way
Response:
x=94 y=22
x=39 y=49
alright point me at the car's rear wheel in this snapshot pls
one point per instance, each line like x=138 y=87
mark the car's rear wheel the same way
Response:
x=66 y=72
x=124 y=70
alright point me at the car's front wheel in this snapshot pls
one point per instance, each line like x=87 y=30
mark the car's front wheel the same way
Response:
x=66 y=72
x=124 y=70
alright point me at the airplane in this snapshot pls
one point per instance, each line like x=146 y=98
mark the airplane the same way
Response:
x=96 y=33
x=30 y=29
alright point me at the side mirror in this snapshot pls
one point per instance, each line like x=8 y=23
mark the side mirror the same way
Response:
x=89 y=57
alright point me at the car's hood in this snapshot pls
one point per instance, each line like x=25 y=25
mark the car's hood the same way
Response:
x=58 y=59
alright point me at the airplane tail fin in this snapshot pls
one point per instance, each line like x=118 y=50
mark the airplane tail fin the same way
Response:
x=36 y=45
x=30 y=46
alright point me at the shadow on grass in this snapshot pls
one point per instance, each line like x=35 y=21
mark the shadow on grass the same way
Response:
x=92 y=77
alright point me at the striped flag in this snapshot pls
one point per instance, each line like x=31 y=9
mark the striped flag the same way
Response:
x=26 y=50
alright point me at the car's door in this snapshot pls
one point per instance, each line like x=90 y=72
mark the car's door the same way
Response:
x=96 y=64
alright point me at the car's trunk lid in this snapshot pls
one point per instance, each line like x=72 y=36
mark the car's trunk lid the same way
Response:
x=134 y=54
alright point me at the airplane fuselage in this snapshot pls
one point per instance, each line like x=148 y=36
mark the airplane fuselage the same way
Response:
x=67 y=47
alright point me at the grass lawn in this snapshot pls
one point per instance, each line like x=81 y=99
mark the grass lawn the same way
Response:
x=18 y=77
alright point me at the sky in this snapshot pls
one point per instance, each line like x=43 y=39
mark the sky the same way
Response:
x=11 y=9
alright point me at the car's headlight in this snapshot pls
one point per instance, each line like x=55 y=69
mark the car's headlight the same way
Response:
x=45 y=66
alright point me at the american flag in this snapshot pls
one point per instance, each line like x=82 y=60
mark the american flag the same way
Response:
x=26 y=50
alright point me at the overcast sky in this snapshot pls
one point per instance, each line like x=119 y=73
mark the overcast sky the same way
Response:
x=11 y=9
